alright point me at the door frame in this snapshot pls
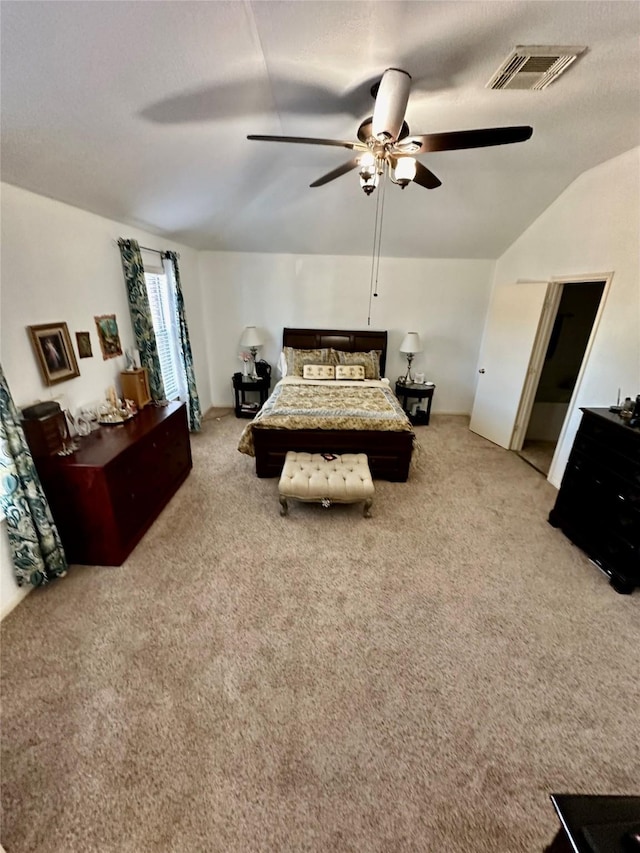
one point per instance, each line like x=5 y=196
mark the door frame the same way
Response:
x=536 y=363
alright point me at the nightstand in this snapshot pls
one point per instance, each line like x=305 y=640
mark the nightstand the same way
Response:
x=416 y=392
x=243 y=385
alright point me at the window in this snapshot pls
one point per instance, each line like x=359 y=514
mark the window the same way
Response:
x=162 y=304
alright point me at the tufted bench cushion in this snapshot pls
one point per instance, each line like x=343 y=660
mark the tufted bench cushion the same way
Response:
x=312 y=477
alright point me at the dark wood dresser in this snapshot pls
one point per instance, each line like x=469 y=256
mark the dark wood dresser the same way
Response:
x=598 y=505
x=106 y=495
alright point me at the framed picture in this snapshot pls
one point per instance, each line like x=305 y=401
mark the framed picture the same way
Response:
x=54 y=352
x=108 y=336
x=83 y=341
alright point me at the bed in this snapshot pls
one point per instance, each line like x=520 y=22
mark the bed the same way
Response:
x=386 y=435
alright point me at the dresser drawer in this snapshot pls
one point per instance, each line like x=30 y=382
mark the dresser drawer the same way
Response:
x=107 y=494
x=610 y=438
x=598 y=505
x=613 y=554
x=616 y=556
x=591 y=451
x=600 y=481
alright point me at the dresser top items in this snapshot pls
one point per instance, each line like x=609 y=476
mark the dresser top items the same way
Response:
x=612 y=418
x=102 y=446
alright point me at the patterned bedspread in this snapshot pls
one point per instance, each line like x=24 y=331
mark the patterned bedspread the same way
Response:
x=304 y=404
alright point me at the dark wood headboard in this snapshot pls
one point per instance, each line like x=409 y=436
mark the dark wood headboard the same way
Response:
x=342 y=339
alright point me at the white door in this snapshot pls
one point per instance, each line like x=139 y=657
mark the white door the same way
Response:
x=509 y=335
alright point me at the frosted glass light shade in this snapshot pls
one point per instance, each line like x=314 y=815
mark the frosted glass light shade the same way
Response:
x=405 y=169
x=251 y=337
x=411 y=343
x=367 y=159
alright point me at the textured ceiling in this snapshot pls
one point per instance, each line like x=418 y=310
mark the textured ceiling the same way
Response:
x=139 y=111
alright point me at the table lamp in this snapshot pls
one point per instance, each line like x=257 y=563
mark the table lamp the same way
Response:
x=252 y=339
x=410 y=346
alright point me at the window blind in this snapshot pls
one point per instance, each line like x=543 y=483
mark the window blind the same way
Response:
x=161 y=316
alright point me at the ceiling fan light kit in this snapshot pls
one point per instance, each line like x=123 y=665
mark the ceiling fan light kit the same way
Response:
x=369 y=174
x=386 y=144
x=404 y=171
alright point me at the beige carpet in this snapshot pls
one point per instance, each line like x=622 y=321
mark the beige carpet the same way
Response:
x=420 y=681
x=539 y=454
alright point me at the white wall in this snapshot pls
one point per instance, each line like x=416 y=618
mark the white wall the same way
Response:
x=592 y=228
x=445 y=301
x=60 y=263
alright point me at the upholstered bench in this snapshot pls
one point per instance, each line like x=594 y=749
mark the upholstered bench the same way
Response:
x=326 y=478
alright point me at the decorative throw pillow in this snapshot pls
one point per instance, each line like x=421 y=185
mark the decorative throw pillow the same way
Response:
x=350 y=371
x=297 y=358
x=369 y=360
x=319 y=371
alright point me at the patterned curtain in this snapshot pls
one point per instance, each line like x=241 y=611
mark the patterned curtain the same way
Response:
x=133 y=269
x=195 y=413
x=35 y=544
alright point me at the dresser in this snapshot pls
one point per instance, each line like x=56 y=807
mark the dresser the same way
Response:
x=106 y=495
x=598 y=505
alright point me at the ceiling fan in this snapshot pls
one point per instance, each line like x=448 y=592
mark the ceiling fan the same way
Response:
x=386 y=143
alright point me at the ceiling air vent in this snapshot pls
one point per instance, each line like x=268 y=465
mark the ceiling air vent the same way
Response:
x=533 y=66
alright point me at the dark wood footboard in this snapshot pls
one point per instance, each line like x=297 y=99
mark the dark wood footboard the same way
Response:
x=389 y=453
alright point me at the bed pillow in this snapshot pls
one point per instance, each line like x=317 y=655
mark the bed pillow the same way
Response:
x=369 y=360
x=350 y=371
x=319 y=371
x=297 y=358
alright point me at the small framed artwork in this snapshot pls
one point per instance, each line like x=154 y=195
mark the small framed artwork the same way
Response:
x=108 y=336
x=52 y=346
x=83 y=340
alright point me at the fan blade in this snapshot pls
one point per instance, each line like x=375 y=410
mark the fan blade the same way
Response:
x=341 y=170
x=391 y=104
x=425 y=177
x=307 y=140
x=457 y=139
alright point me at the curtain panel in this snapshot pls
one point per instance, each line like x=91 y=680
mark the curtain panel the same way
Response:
x=194 y=411
x=34 y=542
x=133 y=269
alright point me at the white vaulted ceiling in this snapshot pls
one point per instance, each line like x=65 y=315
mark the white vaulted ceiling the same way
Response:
x=139 y=111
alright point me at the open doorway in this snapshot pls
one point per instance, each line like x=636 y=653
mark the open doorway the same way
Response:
x=570 y=333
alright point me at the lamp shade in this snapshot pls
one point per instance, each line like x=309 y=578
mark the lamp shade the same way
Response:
x=405 y=169
x=251 y=337
x=411 y=343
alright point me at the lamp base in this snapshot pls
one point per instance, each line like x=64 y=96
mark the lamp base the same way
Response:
x=408 y=379
x=254 y=354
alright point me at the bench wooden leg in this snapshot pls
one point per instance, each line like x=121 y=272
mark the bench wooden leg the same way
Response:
x=367 y=508
x=284 y=506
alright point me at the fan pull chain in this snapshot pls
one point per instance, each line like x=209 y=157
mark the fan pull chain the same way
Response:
x=384 y=188
x=377 y=242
